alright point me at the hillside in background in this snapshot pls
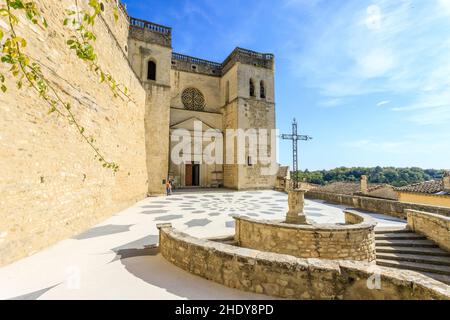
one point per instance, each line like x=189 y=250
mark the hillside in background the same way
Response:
x=397 y=177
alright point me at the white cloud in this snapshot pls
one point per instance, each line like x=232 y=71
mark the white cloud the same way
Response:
x=408 y=144
x=373 y=18
x=376 y=63
x=390 y=47
x=331 y=103
x=445 y=5
x=434 y=116
x=382 y=103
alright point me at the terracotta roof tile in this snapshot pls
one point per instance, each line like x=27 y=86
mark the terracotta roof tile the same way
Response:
x=429 y=187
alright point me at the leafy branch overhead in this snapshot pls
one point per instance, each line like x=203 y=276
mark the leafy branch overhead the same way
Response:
x=24 y=69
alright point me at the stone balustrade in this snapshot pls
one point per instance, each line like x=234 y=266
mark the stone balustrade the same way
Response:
x=150 y=32
x=353 y=241
x=289 y=277
x=434 y=226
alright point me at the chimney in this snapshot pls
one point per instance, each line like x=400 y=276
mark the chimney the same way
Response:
x=446 y=181
x=363 y=183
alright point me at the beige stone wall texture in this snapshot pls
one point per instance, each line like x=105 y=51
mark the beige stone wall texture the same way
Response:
x=51 y=187
x=246 y=72
x=389 y=207
x=423 y=198
x=433 y=226
x=289 y=277
x=208 y=85
x=230 y=79
x=140 y=53
x=230 y=171
x=256 y=114
x=352 y=242
x=157 y=118
x=157 y=108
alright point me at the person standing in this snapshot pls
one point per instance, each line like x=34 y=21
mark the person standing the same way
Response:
x=168 y=188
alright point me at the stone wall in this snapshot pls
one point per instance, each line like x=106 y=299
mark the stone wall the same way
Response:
x=157 y=118
x=189 y=64
x=256 y=113
x=355 y=241
x=146 y=31
x=425 y=198
x=293 y=278
x=389 y=207
x=433 y=226
x=51 y=187
x=150 y=42
x=209 y=86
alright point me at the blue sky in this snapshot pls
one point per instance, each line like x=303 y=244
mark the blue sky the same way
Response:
x=369 y=80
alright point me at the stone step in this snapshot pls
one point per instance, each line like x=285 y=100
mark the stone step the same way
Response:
x=392 y=230
x=406 y=243
x=439 y=277
x=413 y=250
x=435 y=260
x=422 y=267
x=399 y=236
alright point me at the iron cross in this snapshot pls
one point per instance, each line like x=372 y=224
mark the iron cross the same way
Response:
x=295 y=138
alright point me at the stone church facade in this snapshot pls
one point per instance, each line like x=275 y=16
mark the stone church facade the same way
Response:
x=182 y=90
x=50 y=184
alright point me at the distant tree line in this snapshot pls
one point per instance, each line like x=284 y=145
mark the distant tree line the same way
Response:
x=397 y=177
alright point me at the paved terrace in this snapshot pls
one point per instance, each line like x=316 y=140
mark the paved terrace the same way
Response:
x=117 y=259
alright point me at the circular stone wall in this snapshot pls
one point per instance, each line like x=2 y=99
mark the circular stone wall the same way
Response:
x=290 y=277
x=353 y=241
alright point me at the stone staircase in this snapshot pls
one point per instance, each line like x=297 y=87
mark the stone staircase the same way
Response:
x=404 y=249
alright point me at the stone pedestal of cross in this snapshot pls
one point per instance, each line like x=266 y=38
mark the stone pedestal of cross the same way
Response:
x=296 y=200
x=296 y=196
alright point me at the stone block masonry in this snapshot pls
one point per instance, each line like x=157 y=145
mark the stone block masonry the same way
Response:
x=433 y=226
x=355 y=241
x=51 y=187
x=288 y=277
x=389 y=207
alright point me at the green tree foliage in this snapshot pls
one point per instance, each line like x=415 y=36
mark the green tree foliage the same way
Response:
x=397 y=177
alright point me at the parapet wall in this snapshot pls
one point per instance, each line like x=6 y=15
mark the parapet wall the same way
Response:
x=150 y=32
x=355 y=241
x=433 y=226
x=51 y=186
x=289 y=277
x=389 y=207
